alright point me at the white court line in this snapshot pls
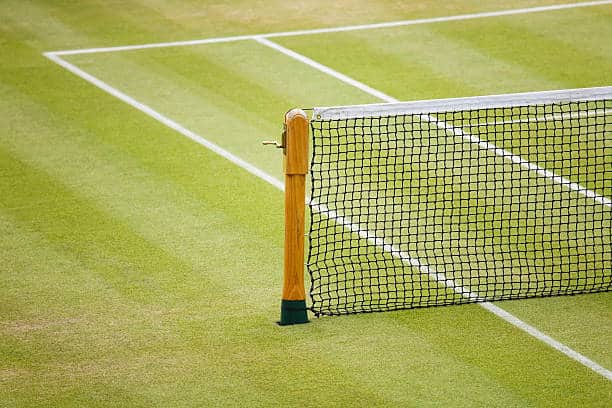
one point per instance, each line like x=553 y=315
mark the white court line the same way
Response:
x=401 y=23
x=425 y=269
x=463 y=291
x=396 y=252
x=516 y=159
x=278 y=184
x=165 y=120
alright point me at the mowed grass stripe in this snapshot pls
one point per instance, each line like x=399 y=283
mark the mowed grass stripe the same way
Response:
x=530 y=44
x=123 y=324
x=184 y=356
x=487 y=56
x=111 y=177
x=575 y=30
x=377 y=78
x=142 y=336
x=202 y=324
x=403 y=71
x=500 y=365
x=423 y=52
x=199 y=323
x=226 y=93
x=397 y=23
x=383 y=39
x=72 y=25
x=226 y=349
x=565 y=318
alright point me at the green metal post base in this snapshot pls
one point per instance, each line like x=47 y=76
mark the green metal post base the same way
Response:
x=293 y=312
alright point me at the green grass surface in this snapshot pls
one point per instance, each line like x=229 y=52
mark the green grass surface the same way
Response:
x=139 y=269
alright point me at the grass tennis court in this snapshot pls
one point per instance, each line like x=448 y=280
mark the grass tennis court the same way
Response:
x=140 y=268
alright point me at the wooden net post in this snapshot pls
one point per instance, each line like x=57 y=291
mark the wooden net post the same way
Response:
x=293 y=304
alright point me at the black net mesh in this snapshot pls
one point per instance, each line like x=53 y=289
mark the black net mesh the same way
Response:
x=460 y=206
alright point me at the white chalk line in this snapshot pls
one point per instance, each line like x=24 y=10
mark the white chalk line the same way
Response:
x=516 y=159
x=390 y=24
x=455 y=131
x=165 y=120
x=372 y=238
x=422 y=267
x=404 y=256
x=462 y=290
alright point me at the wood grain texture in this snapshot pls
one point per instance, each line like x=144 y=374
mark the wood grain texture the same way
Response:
x=296 y=168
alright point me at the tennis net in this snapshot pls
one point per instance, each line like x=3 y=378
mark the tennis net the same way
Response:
x=460 y=200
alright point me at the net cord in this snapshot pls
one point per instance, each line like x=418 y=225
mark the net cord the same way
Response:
x=460 y=104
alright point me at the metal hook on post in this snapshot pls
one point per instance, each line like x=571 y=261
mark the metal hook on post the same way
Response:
x=282 y=144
